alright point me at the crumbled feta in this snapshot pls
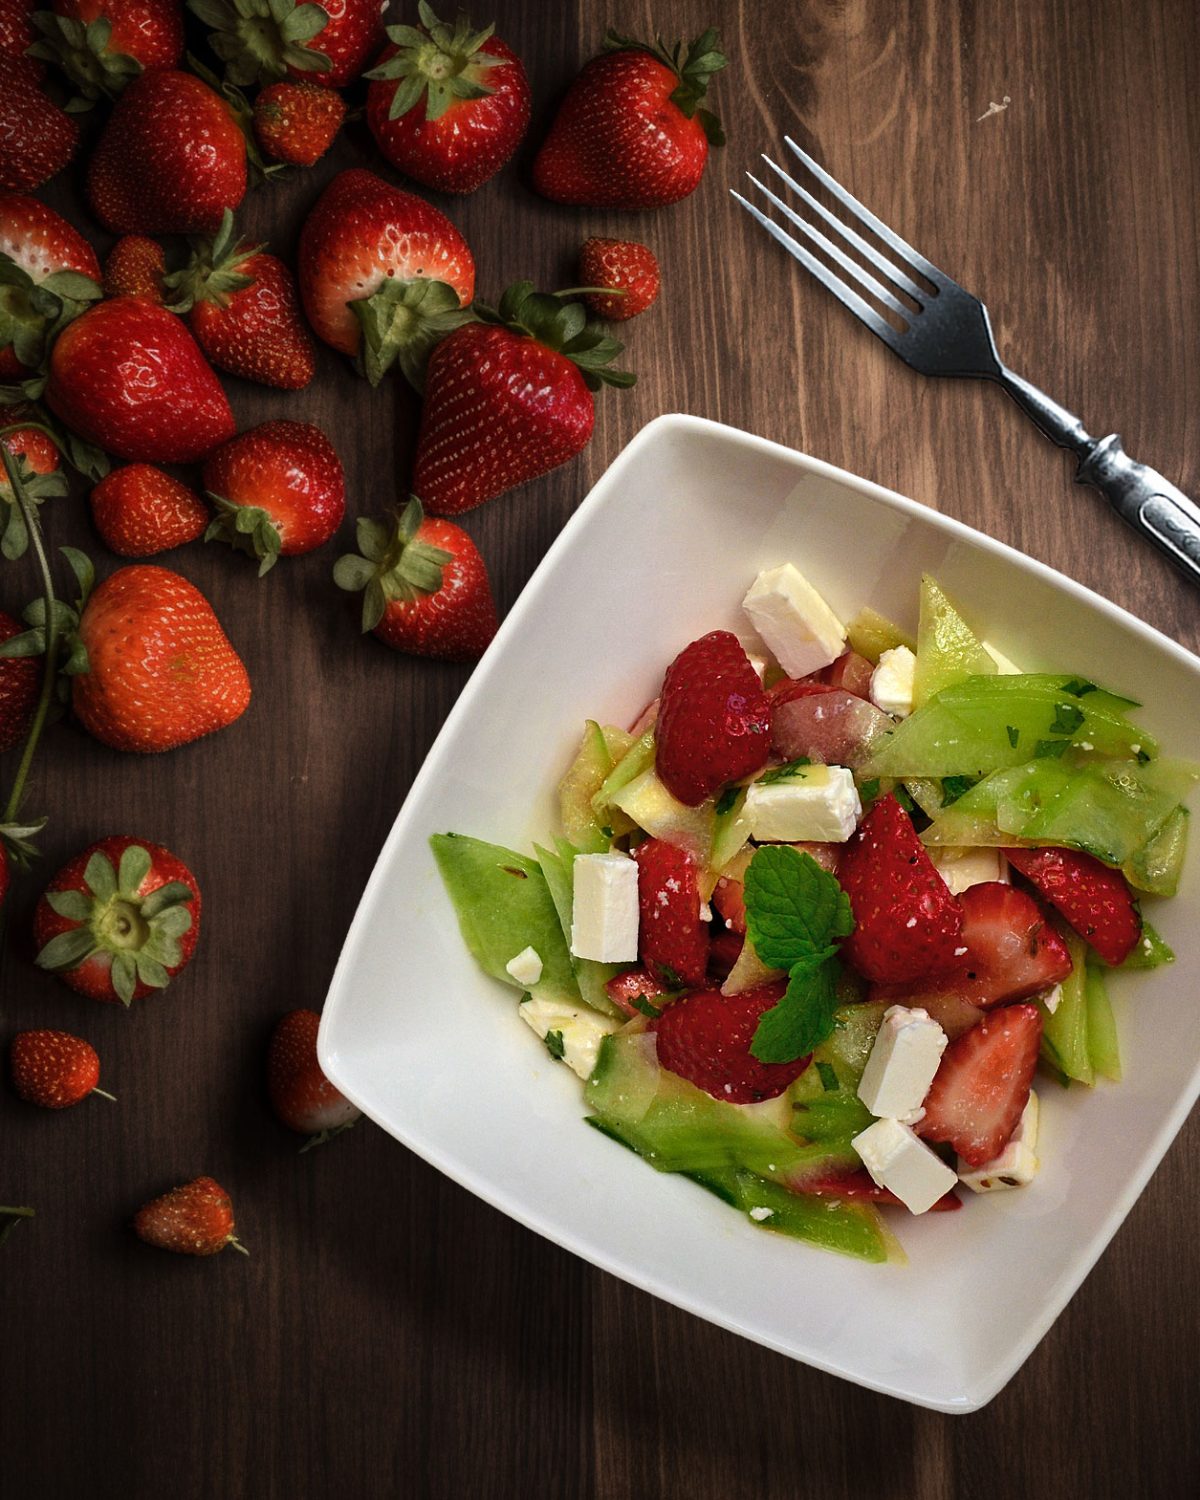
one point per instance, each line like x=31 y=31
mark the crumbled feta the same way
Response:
x=892 y=682
x=581 y=1028
x=900 y=1161
x=1016 y=1165
x=800 y=629
x=526 y=967
x=961 y=868
x=604 y=917
x=908 y=1048
x=814 y=804
x=759 y=1214
x=1052 y=999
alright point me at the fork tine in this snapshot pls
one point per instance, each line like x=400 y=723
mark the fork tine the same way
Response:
x=852 y=268
x=825 y=276
x=848 y=200
x=881 y=263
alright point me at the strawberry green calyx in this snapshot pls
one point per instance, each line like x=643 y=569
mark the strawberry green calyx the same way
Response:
x=54 y=625
x=10 y=1218
x=401 y=322
x=562 y=326
x=246 y=528
x=32 y=313
x=441 y=63
x=214 y=271
x=693 y=65
x=82 y=52
x=140 y=933
x=260 y=40
x=14 y=530
x=394 y=566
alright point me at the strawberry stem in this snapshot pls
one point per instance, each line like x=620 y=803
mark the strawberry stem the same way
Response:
x=104 y=1094
x=11 y=1217
x=235 y=1244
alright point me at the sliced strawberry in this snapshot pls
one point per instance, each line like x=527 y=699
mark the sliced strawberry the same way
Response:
x=706 y=1036
x=907 y=924
x=634 y=985
x=824 y=723
x=724 y=950
x=860 y=1185
x=729 y=898
x=713 y=719
x=982 y=1084
x=1012 y=951
x=952 y=1013
x=672 y=940
x=828 y=856
x=852 y=672
x=1094 y=899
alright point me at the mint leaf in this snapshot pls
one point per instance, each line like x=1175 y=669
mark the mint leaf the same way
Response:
x=728 y=799
x=639 y=1002
x=1067 y=718
x=794 y=908
x=554 y=1044
x=829 y=1078
x=953 y=787
x=1049 y=749
x=804 y=1017
x=1013 y=735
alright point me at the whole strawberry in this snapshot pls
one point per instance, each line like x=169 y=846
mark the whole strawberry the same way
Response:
x=672 y=940
x=509 y=398
x=627 y=270
x=17 y=32
x=40 y=471
x=140 y=510
x=54 y=1069
x=129 y=376
x=48 y=275
x=630 y=132
x=301 y=1095
x=714 y=720
x=37 y=139
x=297 y=122
x=278 y=491
x=706 y=1037
x=20 y=682
x=101 y=44
x=161 y=671
x=194 y=1219
x=425 y=586
x=261 y=40
x=382 y=273
x=448 y=105
x=119 y=920
x=135 y=267
x=171 y=159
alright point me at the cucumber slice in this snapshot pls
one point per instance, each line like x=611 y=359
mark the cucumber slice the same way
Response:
x=731 y=829
x=1104 y=1053
x=638 y=758
x=854 y=1229
x=1158 y=864
x=871 y=634
x=947 y=649
x=1150 y=951
x=587 y=774
x=1065 y=1033
x=648 y=803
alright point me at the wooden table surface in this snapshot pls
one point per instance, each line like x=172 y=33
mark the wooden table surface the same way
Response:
x=390 y=1334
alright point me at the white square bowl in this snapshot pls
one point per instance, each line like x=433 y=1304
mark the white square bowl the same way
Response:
x=660 y=552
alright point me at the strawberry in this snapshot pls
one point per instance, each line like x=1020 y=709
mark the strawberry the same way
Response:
x=139 y=510
x=672 y=940
x=382 y=273
x=119 y=920
x=1093 y=898
x=637 y=992
x=825 y=723
x=724 y=950
x=170 y=160
x=448 y=104
x=128 y=376
x=135 y=267
x=36 y=460
x=301 y=1095
x=37 y=139
x=713 y=719
x=851 y=672
x=161 y=671
x=242 y=307
x=509 y=398
x=859 y=1184
x=426 y=586
x=20 y=682
x=48 y=274
x=297 y=122
x=278 y=491
x=101 y=44
x=907 y=924
x=705 y=1037
x=729 y=899
x=17 y=33
x=54 y=1069
x=630 y=132
x=628 y=270
x=194 y=1219
x=260 y=41
x=982 y=1084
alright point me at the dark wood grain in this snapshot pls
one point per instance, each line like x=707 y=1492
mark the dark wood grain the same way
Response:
x=390 y=1335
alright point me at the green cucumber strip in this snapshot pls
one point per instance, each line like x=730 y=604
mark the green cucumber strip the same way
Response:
x=850 y=1228
x=638 y=758
x=1065 y=1033
x=1104 y=1052
x=948 y=650
x=1150 y=951
x=585 y=776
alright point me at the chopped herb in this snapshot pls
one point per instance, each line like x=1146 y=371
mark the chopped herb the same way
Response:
x=669 y=976
x=829 y=1078
x=869 y=790
x=554 y=1045
x=1013 y=735
x=606 y=831
x=1067 y=718
x=781 y=773
x=1142 y=756
x=953 y=787
x=727 y=800
x=1078 y=687
x=1049 y=749
x=639 y=1002
x=906 y=802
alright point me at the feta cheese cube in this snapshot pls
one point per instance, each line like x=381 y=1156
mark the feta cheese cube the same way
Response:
x=581 y=1028
x=1052 y=999
x=526 y=967
x=892 y=682
x=1004 y=667
x=961 y=868
x=797 y=625
x=604 y=917
x=908 y=1048
x=1016 y=1165
x=814 y=804
x=900 y=1161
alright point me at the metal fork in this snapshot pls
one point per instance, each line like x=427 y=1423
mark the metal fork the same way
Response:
x=948 y=333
